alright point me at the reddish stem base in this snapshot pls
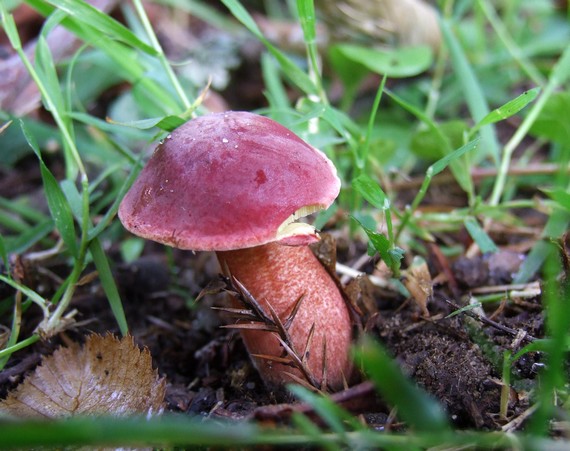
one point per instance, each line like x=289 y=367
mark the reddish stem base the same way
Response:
x=278 y=275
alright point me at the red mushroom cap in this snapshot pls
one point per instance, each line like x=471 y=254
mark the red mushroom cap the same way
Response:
x=229 y=181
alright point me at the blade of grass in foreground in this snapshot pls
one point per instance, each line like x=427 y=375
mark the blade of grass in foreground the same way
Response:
x=184 y=431
x=338 y=419
x=553 y=377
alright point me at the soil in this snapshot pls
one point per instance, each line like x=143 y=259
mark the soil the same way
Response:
x=456 y=359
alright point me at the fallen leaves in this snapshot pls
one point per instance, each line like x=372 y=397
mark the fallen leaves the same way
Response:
x=417 y=280
x=105 y=376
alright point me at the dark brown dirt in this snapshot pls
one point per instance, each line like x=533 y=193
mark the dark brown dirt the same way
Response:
x=455 y=359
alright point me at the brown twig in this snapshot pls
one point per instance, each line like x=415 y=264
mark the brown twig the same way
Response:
x=514 y=332
x=356 y=399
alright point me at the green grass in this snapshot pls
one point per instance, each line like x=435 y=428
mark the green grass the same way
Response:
x=447 y=116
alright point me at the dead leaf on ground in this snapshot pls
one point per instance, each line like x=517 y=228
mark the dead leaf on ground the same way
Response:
x=417 y=280
x=106 y=376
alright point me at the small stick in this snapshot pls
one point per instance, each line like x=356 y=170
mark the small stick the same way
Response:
x=492 y=323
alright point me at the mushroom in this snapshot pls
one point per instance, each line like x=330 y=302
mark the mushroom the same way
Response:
x=235 y=183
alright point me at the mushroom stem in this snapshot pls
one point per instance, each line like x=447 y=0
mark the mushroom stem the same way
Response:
x=277 y=275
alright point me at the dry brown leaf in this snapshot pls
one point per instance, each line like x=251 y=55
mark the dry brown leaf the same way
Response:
x=417 y=280
x=106 y=376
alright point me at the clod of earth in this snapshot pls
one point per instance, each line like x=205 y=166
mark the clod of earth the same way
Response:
x=236 y=183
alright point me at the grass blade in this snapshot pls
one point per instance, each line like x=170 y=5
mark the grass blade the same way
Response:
x=441 y=164
x=307 y=18
x=508 y=109
x=335 y=416
x=57 y=203
x=120 y=432
x=479 y=235
x=9 y=25
x=560 y=196
x=553 y=377
x=85 y=13
x=59 y=209
x=290 y=69
x=34 y=297
x=371 y=191
x=309 y=428
x=108 y=284
x=45 y=68
x=166 y=123
x=306 y=10
x=472 y=89
x=561 y=71
x=22 y=242
x=462 y=176
x=4 y=253
x=556 y=225
x=389 y=253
